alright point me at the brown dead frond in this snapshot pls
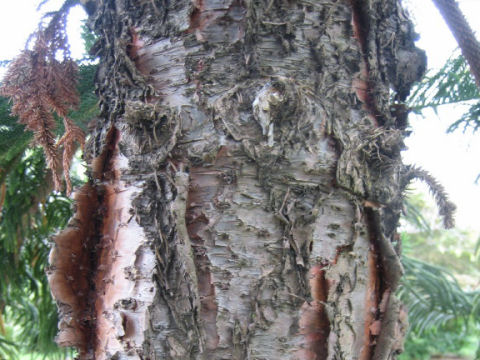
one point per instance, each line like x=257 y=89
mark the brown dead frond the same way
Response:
x=72 y=133
x=41 y=82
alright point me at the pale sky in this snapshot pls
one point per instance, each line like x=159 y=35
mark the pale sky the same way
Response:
x=19 y=18
x=451 y=158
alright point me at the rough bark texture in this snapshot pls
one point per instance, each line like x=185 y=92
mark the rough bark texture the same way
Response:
x=248 y=150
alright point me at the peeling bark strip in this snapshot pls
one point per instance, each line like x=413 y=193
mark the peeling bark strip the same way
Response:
x=314 y=323
x=256 y=163
x=101 y=265
x=70 y=270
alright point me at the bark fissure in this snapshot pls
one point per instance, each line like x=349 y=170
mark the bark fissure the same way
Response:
x=364 y=84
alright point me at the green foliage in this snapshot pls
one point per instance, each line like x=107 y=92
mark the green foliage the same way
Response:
x=30 y=215
x=444 y=317
x=8 y=349
x=88 y=108
x=433 y=295
x=454 y=341
x=89 y=40
x=452 y=84
x=10 y=151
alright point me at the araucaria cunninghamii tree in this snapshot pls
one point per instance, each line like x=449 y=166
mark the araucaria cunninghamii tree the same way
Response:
x=245 y=182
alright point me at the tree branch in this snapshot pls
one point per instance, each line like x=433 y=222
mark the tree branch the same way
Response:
x=463 y=33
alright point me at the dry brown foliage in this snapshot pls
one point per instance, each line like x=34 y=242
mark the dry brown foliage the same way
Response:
x=41 y=82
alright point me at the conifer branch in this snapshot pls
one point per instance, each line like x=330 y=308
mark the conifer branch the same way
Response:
x=445 y=206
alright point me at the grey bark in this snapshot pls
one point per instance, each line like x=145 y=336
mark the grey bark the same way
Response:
x=248 y=175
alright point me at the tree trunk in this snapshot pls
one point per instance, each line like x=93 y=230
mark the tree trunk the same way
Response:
x=245 y=182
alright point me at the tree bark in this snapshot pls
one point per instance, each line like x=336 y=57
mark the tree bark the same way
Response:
x=246 y=183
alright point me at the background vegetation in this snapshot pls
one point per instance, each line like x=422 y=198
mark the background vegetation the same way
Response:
x=31 y=213
x=441 y=282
